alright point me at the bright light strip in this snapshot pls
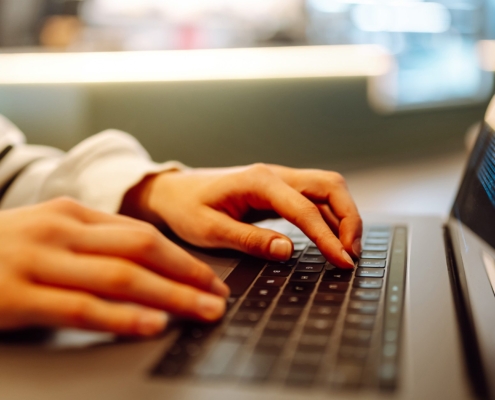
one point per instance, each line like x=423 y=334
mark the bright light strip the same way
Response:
x=486 y=53
x=194 y=65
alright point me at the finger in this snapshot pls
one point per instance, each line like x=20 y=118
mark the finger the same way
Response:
x=222 y=231
x=330 y=187
x=329 y=217
x=123 y=280
x=148 y=247
x=270 y=191
x=56 y=307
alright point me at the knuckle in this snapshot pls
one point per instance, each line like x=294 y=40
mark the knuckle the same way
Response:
x=65 y=204
x=120 y=279
x=147 y=241
x=201 y=273
x=250 y=241
x=336 y=178
x=260 y=169
x=80 y=312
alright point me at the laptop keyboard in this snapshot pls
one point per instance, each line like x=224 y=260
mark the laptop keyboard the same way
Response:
x=304 y=322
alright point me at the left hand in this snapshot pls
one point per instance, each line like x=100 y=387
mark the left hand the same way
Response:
x=206 y=207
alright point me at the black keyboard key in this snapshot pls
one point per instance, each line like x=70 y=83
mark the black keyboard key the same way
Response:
x=309 y=277
x=319 y=325
x=333 y=287
x=379 y=255
x=231 y=302
x=196 y=332
x=289 y=263
x=370 y=272
x=366 y=294
x=324 y=311
x=300 y=288
x=347 y=375
x=309 y=267
x=246 y=318
x=256 y=304
x=258 y=367
x=363 y=307
x=372 y=263
x=263 y=293
x=375 y=247
x=239 y=332
x=358 y=321
x=269 y=282
x=293 y=300
x=307 y=359
x=329 y=298
x=353 y=353
x=356 y=337
x=243 y=275
x=313 y=251
x=296 y=254
x=312 y=259
x=277 y=271
x=271 y=344
x=302 y=375
x=337 y=275
x=313 y=342
x=368 y=283
x=275 y=327
x=286 y=313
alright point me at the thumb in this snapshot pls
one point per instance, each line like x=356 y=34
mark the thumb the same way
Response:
x=250 y=239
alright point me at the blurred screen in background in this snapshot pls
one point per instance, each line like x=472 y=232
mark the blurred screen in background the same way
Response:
x=434 y=42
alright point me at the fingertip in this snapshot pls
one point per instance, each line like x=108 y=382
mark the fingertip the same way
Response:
x=151 y=323
x=220 y=288
x=210 y=308
x=281 y=249
x=349 y=263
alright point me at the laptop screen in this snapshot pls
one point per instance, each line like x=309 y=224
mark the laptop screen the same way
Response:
x=475 y=202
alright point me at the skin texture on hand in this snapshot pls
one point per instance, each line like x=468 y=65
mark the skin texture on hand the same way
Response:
x=207 y=208
x=62 y=264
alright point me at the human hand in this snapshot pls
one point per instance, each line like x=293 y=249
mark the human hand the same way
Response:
x=66 y=265
x=205 y=207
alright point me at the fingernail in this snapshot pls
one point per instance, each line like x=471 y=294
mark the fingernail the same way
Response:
x=210 y=307
x=356 y=247
x=152 y=322
x=220 y=288
x=348 y=258
x=280 y=249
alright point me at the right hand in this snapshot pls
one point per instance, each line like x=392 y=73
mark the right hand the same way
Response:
x=64 y=265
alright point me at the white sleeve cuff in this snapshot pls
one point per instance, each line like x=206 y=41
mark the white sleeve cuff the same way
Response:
x=98 y=172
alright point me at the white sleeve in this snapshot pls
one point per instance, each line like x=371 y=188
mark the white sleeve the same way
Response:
x=97 y=172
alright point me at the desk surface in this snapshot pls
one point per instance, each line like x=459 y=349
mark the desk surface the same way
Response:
x=422 y=187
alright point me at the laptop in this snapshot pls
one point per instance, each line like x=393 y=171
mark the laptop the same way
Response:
x=414 y=320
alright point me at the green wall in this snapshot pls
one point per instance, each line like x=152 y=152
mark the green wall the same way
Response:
x=307 y=122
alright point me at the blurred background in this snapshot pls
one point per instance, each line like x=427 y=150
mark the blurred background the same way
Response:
x=391 y=111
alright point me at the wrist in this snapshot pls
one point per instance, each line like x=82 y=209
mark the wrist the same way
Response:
x=136 y=201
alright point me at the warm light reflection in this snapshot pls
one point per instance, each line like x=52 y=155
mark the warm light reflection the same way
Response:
x=486 y=50
x=194 y=65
